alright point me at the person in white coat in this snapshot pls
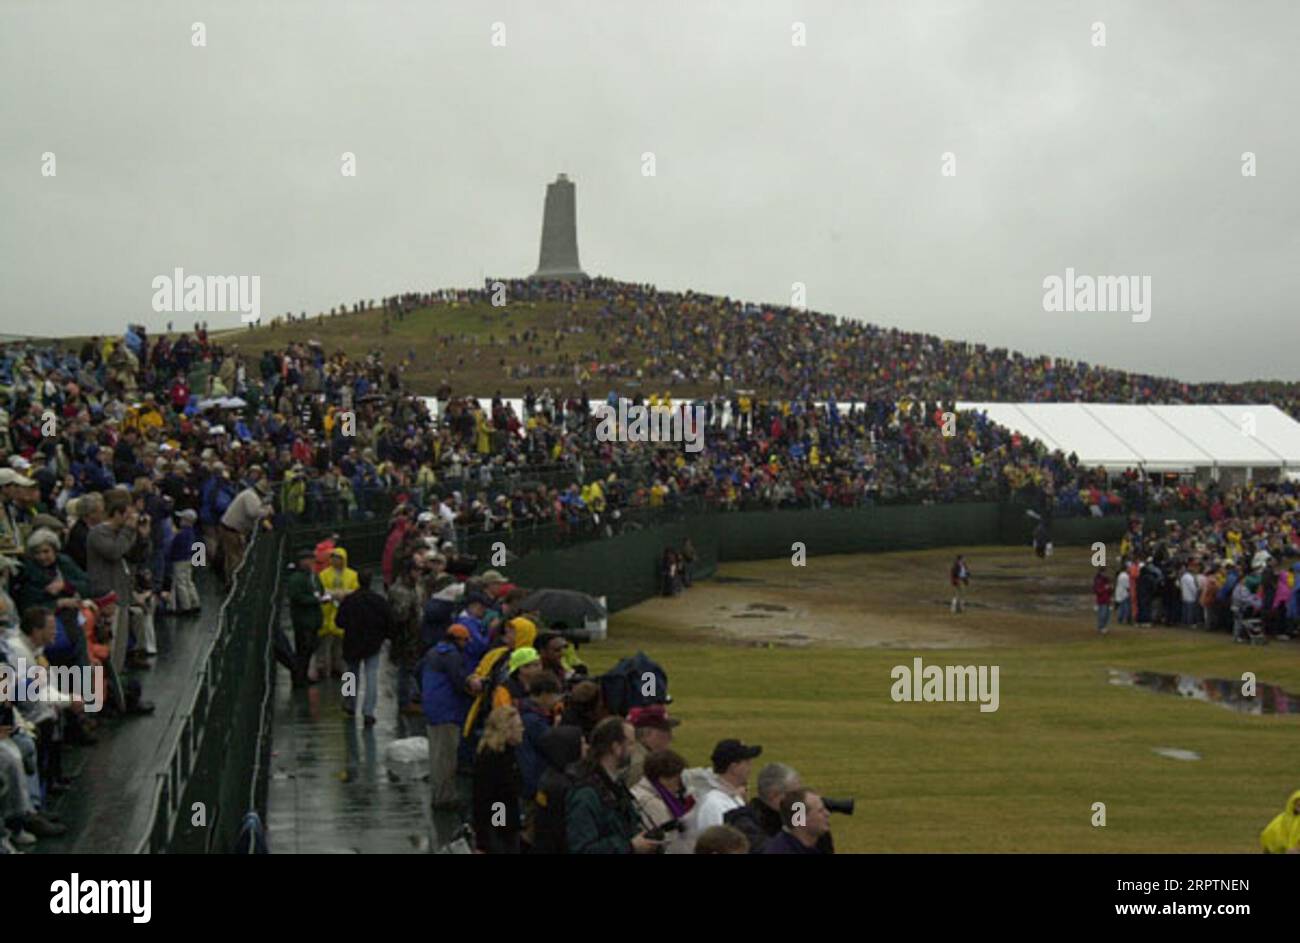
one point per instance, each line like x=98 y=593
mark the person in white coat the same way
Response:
x=725 y=786
x=661 y=798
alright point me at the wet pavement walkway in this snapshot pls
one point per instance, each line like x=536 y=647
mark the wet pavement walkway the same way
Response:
x=108 y=809
x=330 y=791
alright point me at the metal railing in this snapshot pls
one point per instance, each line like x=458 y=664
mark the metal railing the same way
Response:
x=206 y=740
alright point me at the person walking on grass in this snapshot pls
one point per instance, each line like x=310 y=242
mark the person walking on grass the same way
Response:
x=960 y=577
x=1123 y=596
x=1101 y=591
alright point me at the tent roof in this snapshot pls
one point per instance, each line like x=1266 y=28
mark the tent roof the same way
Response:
x=1161 y=438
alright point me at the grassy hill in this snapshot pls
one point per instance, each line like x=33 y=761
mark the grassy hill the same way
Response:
x=482 y=335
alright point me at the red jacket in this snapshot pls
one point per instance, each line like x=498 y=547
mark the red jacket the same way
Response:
x=390 y=547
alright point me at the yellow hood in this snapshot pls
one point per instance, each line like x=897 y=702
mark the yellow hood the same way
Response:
x=1283 y=833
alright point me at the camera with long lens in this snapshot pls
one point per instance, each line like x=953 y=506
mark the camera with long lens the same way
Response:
x=841 y=806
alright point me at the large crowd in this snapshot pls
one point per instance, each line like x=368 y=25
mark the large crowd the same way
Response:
x=523 y=743
x=129 y=463
x=1235 y=570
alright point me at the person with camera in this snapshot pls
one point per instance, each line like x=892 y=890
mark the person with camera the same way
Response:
x=804 y=820
x=760 y=818
x=120 y=538
x=663 y=803
x=600 y=814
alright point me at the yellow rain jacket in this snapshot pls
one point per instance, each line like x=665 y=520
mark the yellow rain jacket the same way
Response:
x=343 y=581
x=1283 y=833
x=525 y=635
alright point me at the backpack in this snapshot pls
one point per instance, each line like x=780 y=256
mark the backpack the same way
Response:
x=634 y=682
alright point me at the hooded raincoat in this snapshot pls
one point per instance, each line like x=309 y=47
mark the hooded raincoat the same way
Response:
x=1283 y=833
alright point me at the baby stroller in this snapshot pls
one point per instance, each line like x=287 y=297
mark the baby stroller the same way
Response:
x=1247 y=626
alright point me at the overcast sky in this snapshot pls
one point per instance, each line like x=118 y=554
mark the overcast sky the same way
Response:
x=774 y=163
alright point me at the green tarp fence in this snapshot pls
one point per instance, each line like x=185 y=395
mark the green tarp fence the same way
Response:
x=216 y=768
x=625 y=568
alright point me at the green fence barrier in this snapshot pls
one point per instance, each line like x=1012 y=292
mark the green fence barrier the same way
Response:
x=625 y=568
x=767 y=535
x=1017 y=527
x=218 y=756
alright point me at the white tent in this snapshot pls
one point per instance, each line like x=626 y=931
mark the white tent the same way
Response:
x=1188 y=439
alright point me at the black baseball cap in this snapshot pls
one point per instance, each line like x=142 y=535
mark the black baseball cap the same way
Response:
x=733 y=751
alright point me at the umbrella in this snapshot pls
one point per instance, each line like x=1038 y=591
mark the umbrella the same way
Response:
x=564 y=605
x=222 y=402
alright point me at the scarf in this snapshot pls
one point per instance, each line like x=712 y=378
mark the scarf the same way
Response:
x=677 y=806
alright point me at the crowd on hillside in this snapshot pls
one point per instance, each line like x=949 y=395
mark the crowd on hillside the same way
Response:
x=524 y=744
x=663 y=339
x=1234 y=570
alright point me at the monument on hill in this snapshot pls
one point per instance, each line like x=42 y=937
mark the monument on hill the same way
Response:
x=559 y=257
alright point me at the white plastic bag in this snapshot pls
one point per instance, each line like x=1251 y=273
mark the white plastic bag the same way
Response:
x=407 y=759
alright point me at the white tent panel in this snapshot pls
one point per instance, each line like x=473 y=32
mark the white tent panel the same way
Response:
x=1159 y=438
x=1271 y=427
x=1217 y=435
x=1160 y=446
x=1093 y=441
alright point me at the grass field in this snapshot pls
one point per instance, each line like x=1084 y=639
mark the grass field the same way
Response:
x=944 y=776
x=481 y=373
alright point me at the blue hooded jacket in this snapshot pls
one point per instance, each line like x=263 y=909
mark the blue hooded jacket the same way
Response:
x=442 y=685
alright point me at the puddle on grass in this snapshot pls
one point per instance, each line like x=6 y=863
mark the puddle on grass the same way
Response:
x=1176 y=754
x=1268 y=698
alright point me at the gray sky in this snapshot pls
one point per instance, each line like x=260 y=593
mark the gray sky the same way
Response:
x=774 y=164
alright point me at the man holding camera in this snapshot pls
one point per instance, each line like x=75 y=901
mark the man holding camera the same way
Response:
x=600 y=814
x=760 y=818
x=805 y=821
x=111 y=546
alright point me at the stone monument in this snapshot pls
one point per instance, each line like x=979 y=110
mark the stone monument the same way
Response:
x=559 y=256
